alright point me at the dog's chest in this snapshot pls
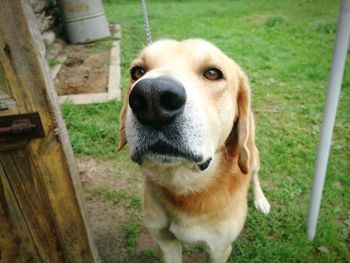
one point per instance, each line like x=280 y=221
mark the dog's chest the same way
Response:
x=205 y=233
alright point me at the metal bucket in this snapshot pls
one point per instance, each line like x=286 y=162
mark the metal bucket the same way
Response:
x=84 y=20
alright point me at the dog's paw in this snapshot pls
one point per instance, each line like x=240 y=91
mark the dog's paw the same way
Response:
x=262 y=205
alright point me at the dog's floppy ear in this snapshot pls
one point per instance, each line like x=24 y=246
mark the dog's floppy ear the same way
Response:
x=122 y=120
x=243 y=122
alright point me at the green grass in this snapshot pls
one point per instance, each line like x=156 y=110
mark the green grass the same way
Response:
x=127 y=199
x=147 y=254
x=102 y=44
x=285 y=47
x=104 y=192
x=131 y=232
x=93 y=128
x=54 y=61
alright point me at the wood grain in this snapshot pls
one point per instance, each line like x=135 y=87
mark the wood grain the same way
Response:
x=16 y=243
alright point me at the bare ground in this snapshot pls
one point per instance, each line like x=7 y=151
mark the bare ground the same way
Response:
x=109 y=218
x=84 y=71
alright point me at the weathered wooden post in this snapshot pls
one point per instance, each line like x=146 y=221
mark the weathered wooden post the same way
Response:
x=42 y=215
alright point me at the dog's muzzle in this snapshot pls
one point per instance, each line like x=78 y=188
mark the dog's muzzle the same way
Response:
x=158 y=105
x=157 y=102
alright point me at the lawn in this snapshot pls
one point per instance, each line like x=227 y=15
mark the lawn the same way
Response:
x=285 y=47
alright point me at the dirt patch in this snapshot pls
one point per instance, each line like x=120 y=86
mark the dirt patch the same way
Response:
x=96 y=173
x=267 y=20
x=112 y=192
x=108 y=218
x=260 y=19
x=107 y=221
x=85 y=70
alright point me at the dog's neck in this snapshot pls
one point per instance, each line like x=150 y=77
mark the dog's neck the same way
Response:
x=201 y=192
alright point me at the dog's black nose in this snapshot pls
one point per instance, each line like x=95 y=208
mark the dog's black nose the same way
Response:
x=157 y=102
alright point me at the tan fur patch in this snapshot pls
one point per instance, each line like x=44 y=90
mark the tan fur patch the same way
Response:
x=228 y=186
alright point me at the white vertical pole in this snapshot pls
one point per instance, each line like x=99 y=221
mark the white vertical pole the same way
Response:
x=332 y=99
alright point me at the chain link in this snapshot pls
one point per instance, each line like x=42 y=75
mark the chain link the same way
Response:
x=146 y=22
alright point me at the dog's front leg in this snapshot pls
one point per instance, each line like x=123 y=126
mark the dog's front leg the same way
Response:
x=170 y=248
x=219 y=256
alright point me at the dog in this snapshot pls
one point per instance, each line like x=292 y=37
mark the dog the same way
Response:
x=188 y=122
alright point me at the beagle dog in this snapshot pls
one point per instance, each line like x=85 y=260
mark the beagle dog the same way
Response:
x=188 y=121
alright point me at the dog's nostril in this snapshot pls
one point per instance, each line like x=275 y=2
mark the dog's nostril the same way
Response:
x=172 y=101
x=138 y=103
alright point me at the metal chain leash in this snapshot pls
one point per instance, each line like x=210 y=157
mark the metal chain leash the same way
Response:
x=146 y=22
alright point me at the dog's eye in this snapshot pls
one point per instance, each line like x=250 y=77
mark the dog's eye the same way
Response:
x=137 y=72
x=213 y=74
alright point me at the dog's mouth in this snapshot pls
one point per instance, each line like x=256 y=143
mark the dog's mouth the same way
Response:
x=165 y=149
x=165 y=153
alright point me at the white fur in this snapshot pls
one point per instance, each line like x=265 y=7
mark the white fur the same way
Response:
x=195 y=127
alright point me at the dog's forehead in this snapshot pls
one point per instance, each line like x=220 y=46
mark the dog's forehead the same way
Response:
x=192 y=50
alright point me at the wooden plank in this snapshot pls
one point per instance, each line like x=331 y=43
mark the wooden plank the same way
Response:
x=48 y=163
x=84 y=98
x=16 y=243
x=4 y=87
x=114 y=91
x=32 y=198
